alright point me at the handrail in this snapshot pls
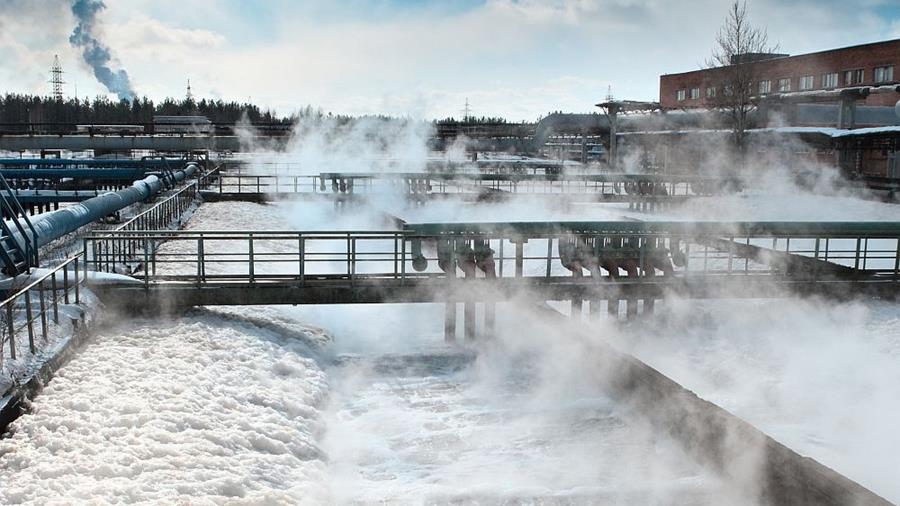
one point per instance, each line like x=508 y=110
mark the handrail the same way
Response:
x=45 y=311
x=161 y=211
x=43 y=278
x=31 y=248
x=190 y=188
x=215 y=255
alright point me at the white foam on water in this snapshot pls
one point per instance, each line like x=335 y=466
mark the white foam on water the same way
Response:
x=204 y=409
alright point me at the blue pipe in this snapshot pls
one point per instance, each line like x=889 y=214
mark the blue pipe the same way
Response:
x=11 y=163
x=55 y=224
x=94 y=174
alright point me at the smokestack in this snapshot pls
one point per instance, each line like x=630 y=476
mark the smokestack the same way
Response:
x=94 y=52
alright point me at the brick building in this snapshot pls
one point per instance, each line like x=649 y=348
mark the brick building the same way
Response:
x=875 y=65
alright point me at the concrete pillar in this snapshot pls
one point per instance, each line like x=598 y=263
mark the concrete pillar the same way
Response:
x=612 y=307
x=467 y=265
x=469 y=320
x=490 y=318
x=450 y=322
x=520 y=257
x=649 y=304
x=577 y=302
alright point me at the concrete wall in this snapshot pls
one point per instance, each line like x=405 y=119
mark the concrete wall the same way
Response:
x=757 y=465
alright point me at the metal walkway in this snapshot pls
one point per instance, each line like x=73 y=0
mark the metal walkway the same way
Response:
x=579 y=261
x=464 y=185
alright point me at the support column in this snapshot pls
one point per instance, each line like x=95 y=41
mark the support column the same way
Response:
x=631 y=302
x=520 y=257
x=650 y=303
x=490 y=318
x=577 y=302
x=612 y=307
x=469 y=320
x=450 y=322
x=466 y=260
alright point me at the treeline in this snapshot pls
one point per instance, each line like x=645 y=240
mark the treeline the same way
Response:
x=15 y=108
x=33 y=109
x=471 y=120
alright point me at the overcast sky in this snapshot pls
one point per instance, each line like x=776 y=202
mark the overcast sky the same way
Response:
x=518 y=59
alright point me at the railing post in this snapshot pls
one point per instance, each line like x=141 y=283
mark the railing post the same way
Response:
x=396 y=255
x=28 y=320
x=403 y=261
x=302 y=245
x=11 y=330
x=43 y=306
x=816 y=265
x=66 y=284
x=77 y=291
x=251 y=259
x=54 y=298
x=199 y=260
x=549 y=254
x=146 y=264
x=897 y=259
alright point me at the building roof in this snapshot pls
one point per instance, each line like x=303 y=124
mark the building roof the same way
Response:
x=780 y=57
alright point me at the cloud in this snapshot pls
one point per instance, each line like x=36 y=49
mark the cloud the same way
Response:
x=517 y=58
x=143 y=32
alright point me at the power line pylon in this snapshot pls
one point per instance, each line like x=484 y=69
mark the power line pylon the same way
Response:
x=56 y=80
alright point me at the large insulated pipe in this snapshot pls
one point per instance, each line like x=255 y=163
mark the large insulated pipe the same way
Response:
x=55 y=224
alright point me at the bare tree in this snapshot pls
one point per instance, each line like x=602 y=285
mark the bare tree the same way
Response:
x=739 y=46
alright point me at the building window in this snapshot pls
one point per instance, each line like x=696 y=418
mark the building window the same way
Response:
x=695 y=93
x=852 y=77
x=710 y=92
x=765 y=87
x=884 y=74
x=784 y=85
x=681 y=95
x=829 y=80
x=806 y=83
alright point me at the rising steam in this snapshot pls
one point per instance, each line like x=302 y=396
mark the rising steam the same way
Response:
x=96 y=53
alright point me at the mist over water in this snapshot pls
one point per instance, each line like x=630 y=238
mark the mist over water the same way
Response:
x=822 y=377
x=259 y=405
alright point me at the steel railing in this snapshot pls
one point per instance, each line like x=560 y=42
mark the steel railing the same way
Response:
x=57 y=286
x=19 y=313
x=262 y=256
x=327 y=183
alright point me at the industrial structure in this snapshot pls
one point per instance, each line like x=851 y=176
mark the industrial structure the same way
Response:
x=875 y=65
x=615 y=268
x=56 y=79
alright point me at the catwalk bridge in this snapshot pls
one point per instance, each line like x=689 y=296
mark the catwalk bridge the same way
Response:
x=611 y=264
x=639 y=190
